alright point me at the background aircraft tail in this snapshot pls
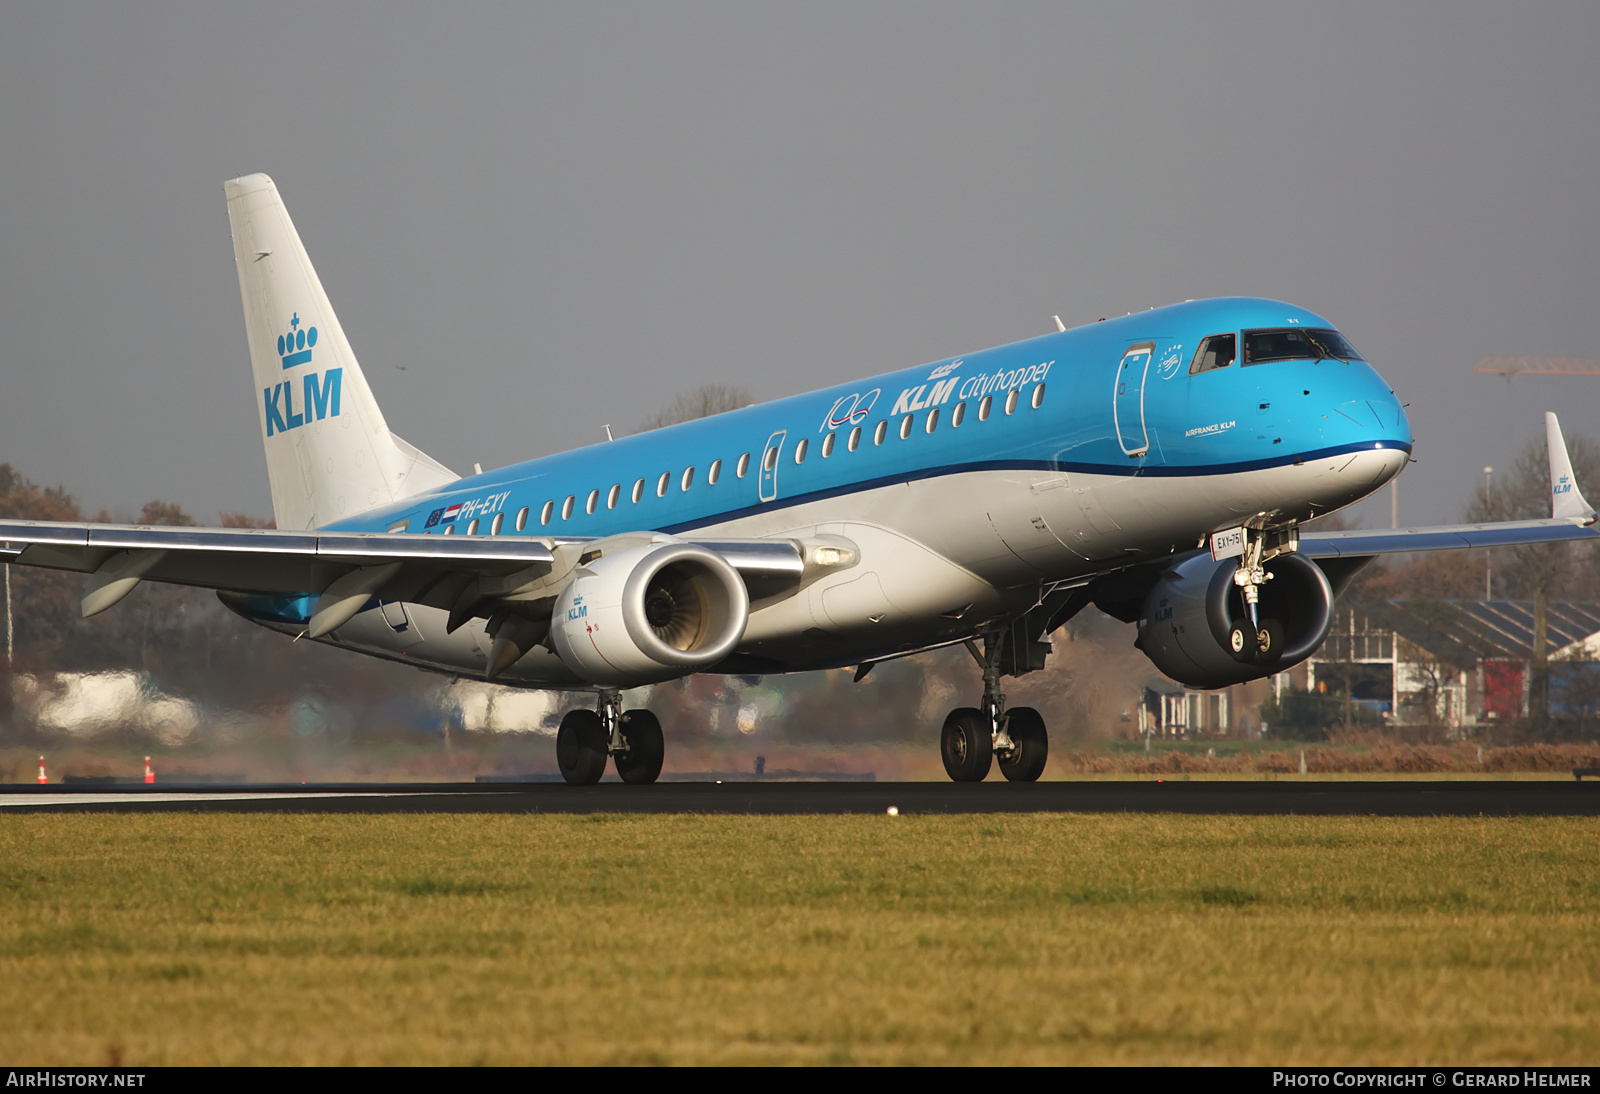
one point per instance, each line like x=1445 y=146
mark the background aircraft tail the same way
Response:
x=329 y=451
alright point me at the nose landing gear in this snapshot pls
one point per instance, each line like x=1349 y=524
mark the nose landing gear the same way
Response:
x=1258 y=640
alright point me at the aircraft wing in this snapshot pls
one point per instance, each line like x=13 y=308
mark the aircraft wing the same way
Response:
x=345 y=569
x=255 y=560
x=1367 y=542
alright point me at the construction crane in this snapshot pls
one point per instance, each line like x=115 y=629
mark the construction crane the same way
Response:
x=1539 y=366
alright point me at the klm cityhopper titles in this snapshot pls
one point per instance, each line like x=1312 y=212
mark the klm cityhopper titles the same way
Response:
x=1156 y=466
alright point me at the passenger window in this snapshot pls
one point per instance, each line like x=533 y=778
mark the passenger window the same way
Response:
x=771 y=459
x=744 y=465
x=933 y=420
x=638 y=491
x=855 y=439
x=714 y=472
x=472 y=527
x=498 y=523
x=611 y=498
x=983 y=408
x=566 y=507
x=449 y=530
x=958 y=415
x=547 y=512
x=522 y=518
x=905 y=427
x=827 y=445
x=1011 y=400
x=399 y=526
x=1038 y=396
x=594 y=500
x=881 y=432
x=663 y=483
x=800 y=451
x=688 y=477
x=1215 y=352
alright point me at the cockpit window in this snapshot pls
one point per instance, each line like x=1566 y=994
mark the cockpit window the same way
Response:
x=1296 y=343
x=1214 y=352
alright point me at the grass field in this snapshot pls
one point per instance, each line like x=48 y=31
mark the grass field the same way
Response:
x=187 y=939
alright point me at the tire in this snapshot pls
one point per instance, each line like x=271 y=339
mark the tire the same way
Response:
x=966 y=745
x=1242 y=642
x=641 y=763
x=1269 y=642
x=1025 y=762
x=581 y=748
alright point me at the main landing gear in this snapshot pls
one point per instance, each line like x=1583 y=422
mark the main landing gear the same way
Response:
x=973 y=739
x=632 y=740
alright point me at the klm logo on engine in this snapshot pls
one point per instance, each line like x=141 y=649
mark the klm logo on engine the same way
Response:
x=319 y=396
x=579 y=609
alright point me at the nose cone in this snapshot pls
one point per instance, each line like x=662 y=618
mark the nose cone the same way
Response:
x=1378 y=413
x=1364 y=437
x=1349 y=406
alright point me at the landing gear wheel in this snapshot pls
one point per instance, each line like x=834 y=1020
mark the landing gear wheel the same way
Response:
x=581 y=748
x=1242 y=642
x=641 y=730
x=966 y=745
x=1025 y=762
x=1269 y=642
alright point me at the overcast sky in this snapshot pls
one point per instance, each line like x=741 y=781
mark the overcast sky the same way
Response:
x=534 y=219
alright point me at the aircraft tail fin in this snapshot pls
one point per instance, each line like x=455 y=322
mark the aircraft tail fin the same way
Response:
x=1566 y=500
x=329 y=451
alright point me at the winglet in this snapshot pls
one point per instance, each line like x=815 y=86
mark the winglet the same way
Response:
x=1566 y=500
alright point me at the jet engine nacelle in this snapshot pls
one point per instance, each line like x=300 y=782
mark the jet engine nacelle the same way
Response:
x=1187 y=616
x=649 y=613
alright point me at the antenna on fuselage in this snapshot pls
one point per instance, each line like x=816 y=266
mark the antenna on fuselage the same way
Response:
x=1061 y=328
x=607 y=428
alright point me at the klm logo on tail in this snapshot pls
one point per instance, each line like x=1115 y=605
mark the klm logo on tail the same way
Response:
x=320 y=391
x=295 y=347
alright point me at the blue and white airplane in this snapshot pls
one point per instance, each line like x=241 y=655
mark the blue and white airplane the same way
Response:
x=1157 y=466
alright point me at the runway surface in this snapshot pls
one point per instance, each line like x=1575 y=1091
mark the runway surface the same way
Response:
x=1258 y=798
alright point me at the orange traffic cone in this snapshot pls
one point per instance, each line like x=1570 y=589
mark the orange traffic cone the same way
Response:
x=149 y=776
x=43 y=778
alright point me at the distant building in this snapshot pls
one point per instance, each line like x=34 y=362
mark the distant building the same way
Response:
x=1172 y=710
x=1456 y=663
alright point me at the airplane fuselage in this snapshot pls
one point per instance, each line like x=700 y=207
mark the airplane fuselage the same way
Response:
x=968 y=484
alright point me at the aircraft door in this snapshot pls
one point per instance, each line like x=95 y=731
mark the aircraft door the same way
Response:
x=1127 y=399
x=769 y=465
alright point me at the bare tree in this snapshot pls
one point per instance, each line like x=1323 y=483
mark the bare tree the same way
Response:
x=164 y=512
x=702 y=402
x=245 y=520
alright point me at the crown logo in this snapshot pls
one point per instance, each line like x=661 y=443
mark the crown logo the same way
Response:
x=295 y=347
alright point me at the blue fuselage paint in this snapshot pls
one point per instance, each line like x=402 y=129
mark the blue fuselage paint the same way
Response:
x=1119 y=400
